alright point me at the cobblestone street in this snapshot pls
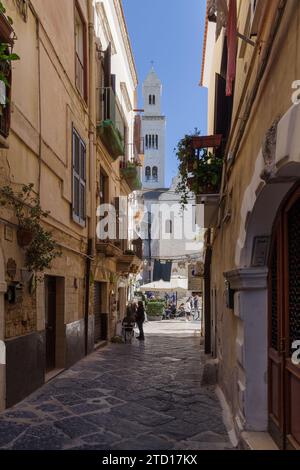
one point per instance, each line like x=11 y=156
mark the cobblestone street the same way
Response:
x=148 y=396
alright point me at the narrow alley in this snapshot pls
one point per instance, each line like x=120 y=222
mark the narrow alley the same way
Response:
x=144 y=396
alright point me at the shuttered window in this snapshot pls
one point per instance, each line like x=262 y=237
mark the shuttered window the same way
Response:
x=79 y=179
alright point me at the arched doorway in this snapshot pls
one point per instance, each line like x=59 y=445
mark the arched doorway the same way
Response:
x=284 y=325
x=250 y=282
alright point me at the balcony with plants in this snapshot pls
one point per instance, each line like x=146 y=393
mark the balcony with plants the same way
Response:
x=130 y=171
x=200 y=169
x=7 y=38
x=111 y=125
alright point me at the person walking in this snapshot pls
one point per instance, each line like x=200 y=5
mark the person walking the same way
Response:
x=128 y=324
x=188 y=310
x=197 y=307
x=140 y=319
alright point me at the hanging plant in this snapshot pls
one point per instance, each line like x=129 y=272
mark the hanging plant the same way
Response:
x=41 y=249
x=6 y=56
x=200 y=171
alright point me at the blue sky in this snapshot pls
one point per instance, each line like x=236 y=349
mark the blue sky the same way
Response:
x=170 y=32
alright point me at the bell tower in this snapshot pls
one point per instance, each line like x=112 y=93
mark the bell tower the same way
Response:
x=153 y=133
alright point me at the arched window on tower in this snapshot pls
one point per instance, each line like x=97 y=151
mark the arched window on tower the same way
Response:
x=153 y=99
x=153 y=141
x=147 y=141
x=148 y=173
x=150 y=99
x=155 y=174
x=156 y=141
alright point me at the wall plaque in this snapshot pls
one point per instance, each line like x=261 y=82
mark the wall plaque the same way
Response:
x=260 y=252
x=8 y=233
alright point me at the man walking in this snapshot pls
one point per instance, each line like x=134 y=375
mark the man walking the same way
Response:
x=140 y=319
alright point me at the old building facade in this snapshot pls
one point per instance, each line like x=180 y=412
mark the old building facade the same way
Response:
x=64 y=98
x=252 y=242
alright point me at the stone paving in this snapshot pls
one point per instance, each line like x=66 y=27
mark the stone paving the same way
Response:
x=143 y=396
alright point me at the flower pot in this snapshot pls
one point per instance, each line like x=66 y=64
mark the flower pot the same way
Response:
x=208 y=189
x=24 y=237
x=154 y=318
x=192 y=165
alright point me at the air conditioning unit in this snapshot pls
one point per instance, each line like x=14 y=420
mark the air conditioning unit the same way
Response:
x=256 y=16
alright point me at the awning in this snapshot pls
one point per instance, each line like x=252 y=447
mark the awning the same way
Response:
x=175 y=285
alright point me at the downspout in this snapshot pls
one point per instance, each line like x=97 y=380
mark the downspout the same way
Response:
x=91 y=221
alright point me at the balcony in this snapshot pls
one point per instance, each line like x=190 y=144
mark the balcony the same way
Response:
x=204 y=168
x=7 y=40
x=109 y=248
x=111 y=125
x=130 y=172
x=129 y=263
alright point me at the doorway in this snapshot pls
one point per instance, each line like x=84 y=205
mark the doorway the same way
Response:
x=54 y=323
x=50 y=322
x=284 y=326
x=101 y=318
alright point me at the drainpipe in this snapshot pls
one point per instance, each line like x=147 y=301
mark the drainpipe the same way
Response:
x=91 y=221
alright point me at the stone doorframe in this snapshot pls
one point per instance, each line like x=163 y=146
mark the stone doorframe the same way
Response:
x=2 y=332
x=250 y=307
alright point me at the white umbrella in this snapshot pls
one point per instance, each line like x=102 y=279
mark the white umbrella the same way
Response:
x=175 y=285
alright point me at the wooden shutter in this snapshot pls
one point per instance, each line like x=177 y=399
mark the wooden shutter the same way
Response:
x=107 y=67
x=82 y=197
x=79 y=179
x=137 y=133
x=76 y=175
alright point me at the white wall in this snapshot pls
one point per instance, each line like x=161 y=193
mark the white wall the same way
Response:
x=120 y=64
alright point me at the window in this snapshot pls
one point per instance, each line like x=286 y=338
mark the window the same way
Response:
x=104 y=189
x=148 y=173
x=6 y=33
x=79 y=179
x=155 y=173
x=152 y=141
x=80 y=54
x=152 y=99
x=169 y=226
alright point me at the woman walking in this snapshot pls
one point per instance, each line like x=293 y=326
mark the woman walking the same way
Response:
x=140 y=319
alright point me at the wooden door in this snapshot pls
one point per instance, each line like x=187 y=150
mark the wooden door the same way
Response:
x=97 y=311
x=284 y=321
x=50 y=311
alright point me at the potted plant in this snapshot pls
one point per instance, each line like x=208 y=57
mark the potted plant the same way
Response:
x=200 y=171
x=129 y=171
x=155 y=310
x=40 y=248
